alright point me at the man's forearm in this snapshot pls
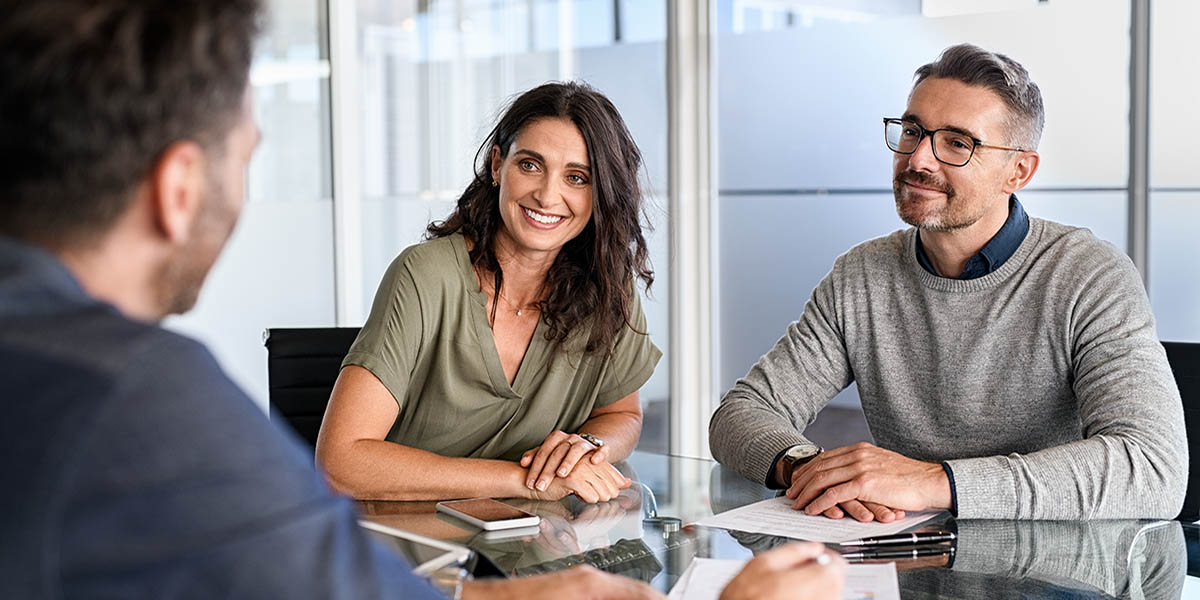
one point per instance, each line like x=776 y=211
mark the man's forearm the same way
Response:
x=767 y=409
x=1103 y=477
x=747 y=437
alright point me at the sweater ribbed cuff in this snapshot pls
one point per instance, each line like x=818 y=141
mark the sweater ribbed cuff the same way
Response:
x=758 y=458
x=983 y=488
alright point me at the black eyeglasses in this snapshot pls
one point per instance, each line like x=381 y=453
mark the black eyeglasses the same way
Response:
x=951 y=147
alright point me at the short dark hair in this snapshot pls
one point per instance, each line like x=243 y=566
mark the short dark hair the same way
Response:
x=1002 y=75
x=591 y=280
x=92 y=93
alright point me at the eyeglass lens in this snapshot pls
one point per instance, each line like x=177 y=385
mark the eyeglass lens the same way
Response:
x=949 y=147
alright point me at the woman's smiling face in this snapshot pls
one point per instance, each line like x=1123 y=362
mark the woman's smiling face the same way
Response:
x=545 y=185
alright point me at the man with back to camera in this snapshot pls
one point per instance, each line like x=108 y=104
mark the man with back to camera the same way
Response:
x=1008 y=366
x=137 y=468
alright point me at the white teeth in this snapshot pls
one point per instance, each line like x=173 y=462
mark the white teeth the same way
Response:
x=540 y=218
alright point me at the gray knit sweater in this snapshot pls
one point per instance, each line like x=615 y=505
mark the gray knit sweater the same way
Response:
x=1042 y=384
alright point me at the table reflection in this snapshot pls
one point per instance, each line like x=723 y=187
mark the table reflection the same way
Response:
x=992 y=559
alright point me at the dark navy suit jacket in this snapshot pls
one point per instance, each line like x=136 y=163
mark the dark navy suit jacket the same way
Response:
x=134 y=468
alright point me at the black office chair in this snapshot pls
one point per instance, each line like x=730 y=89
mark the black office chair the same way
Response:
x=302 y=365
x=1185 y=364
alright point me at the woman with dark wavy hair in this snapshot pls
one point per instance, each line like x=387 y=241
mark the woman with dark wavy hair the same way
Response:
x=503 y=356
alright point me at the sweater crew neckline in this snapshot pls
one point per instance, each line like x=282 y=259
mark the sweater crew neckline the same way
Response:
x=991 y=280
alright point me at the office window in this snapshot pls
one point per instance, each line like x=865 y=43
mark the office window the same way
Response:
x=1174 y=178
x=436 y=75
x=803 y=170
x=277 y=270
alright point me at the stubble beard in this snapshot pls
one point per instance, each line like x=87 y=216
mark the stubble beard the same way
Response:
x=946 y=218
x=182 y=276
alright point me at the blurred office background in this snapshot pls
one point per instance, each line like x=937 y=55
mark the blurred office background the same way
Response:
x=372 y=111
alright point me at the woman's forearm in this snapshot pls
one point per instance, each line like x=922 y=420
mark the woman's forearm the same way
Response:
x=619 y=430
x=381 y=470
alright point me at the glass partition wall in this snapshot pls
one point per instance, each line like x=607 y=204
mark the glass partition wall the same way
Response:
x=796 y=90
x=1174 y=172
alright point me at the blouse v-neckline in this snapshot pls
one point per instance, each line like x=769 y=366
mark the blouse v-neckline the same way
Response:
x=535 y=354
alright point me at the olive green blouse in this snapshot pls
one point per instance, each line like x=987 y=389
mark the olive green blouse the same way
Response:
x=428 y=340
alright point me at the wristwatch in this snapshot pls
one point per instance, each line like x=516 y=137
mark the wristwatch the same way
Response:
x=800 y=454
x=593 y=440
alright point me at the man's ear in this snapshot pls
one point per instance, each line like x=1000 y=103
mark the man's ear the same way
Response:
x=1022 y=172
x=177 y=189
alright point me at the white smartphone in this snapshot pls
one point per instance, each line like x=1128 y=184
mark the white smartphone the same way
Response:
x=488 y=514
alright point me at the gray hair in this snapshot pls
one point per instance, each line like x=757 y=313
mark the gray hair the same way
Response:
x=1000 y=74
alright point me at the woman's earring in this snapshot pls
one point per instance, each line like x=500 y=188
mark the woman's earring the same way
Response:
x=495 y=182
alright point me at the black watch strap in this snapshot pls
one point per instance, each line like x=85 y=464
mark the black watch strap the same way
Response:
x=771 y=483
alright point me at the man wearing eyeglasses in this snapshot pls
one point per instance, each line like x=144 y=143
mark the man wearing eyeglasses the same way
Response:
x=1008 y=366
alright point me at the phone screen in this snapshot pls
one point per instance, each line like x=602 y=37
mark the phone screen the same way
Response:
x=486 y=509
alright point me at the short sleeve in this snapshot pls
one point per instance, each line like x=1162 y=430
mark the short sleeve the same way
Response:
x=390 y=340
x=632 y=360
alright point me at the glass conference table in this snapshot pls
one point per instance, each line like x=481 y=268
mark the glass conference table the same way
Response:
x=644 y=534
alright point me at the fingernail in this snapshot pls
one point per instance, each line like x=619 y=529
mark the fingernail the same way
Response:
x=562 y=472
x=542 y=486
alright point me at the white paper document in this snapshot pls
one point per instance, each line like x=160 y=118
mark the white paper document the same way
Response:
x=776 y=517
x=681 y=584
x=871 y=582
x=705 y=578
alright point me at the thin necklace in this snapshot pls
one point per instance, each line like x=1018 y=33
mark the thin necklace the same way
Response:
x=519 y=310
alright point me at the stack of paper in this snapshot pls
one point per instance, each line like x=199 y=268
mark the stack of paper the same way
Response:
x=776 y=517
x=706 y=577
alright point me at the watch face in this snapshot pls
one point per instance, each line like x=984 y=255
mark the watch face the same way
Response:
x=802 y=452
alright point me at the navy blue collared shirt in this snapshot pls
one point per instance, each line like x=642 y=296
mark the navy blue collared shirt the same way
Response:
x=139 y=470
x=993 y=254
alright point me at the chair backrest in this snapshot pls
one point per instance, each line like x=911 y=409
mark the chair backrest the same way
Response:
x=302 y=365
x=1185 y=364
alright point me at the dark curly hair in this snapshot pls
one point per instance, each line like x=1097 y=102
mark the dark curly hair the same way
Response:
x=591 y=280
